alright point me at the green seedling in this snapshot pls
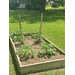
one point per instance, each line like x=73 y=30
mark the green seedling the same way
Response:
x=27 y=50
x=49 y=48
x=33 y=52
x=41 y=53
x=49 y=51
x=54 y=49
x=53 y=53
x=36 y=36
x=17 y=36
x=44 y=45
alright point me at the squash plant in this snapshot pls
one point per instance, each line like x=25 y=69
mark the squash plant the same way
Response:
x=26 y=50
x=17 y=36
x=36 y=36
x=49 y=49
x=41 y=53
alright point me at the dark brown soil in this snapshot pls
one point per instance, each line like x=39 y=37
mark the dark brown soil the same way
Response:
x=35 y=59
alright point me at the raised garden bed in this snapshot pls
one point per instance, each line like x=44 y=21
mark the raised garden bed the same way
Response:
x=35 y=63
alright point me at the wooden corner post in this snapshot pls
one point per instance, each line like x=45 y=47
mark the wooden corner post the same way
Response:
x=20 y=23
x=41 y=23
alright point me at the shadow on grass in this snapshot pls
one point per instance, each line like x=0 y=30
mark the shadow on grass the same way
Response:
x=14 y=62
x=30 y=16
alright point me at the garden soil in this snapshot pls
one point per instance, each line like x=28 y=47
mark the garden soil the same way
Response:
x=36 y=46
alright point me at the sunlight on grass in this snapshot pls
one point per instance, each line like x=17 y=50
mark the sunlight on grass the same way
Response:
x=52 y=73
x=54 y=8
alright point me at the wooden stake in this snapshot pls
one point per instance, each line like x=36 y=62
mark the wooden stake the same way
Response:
x=41 y=23
x=20 y=23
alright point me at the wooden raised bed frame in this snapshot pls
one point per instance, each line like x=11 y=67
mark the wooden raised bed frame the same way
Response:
x=53 y=64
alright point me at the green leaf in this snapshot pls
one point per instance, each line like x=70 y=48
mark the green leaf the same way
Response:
x=46 y=47
x=26 y=47
x=18 y=52
x=13 y=33
x=23 y=50
x=33 y=52
x=49 y=51
x=53 y=53
x=10 y=35
x=24 y=37
x=45 y=43
x=21 y=45
x=42 y=46
x=41 y=53
x=50 y=45
x=18 y=33
x=15 y=38
x=55 y=50
x=27 y=54
x=29 y=47
x=18 y=38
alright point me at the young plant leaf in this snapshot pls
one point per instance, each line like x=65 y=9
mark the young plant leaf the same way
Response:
x=26 y=48
x=49 y=51
x=29 y=47
x=18 y=52
x=21 y=45
x=42 y=47
x=27 y=54
x=23 y=50
x=53 y=53
x=41 y=53
x=50 y=45
x=33 y=52
x=55 y=50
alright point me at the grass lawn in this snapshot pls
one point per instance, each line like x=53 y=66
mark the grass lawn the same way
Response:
x=53 y=28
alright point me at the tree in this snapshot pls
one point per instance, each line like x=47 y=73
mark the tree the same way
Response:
x=38 y=4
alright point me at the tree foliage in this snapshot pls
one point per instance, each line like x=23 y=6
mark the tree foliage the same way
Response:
x=38 y=4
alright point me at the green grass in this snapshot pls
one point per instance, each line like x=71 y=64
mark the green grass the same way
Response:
x=53 y=28
x=52 y=73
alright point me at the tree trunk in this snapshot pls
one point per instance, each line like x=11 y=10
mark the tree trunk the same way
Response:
x=42 y=4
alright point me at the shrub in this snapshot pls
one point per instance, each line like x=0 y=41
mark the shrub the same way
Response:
x=13 y=5
x=28 y=6
x=55 y=5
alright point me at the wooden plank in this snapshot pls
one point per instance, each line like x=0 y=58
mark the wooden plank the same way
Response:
x=60 y=63
x=14 y=51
